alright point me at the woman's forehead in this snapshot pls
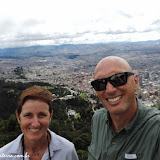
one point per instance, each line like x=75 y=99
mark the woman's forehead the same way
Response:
x=35 y=105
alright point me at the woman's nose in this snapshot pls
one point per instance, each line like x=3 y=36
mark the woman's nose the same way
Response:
x=35 y=122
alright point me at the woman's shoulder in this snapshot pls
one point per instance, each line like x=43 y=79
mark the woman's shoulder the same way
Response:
x=60 y=141
x=11 y=146
x=64 y=147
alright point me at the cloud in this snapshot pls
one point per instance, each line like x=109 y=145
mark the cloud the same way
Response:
x=72 y=21
x=126 y=15
x=6 y=26
x=157 y=22
x=32 y=22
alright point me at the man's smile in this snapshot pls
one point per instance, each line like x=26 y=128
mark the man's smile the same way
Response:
x=113 y=99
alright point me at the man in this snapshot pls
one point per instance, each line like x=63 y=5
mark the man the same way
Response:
x=124 y=128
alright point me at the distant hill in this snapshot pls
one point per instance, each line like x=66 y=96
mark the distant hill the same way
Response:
x=72 y=51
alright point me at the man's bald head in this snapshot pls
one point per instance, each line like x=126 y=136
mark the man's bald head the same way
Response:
x=111 y=65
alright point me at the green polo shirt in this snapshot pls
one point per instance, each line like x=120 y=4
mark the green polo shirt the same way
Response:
x=140 y=139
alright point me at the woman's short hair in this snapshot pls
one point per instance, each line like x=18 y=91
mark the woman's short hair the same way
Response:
x=35 y=93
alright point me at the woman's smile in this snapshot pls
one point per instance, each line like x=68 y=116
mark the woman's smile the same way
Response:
x=34 y=130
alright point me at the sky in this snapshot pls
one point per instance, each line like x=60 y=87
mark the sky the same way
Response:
x=56 y=22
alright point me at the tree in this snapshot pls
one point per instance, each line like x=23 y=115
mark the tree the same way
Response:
x=55 y=127
x=83 y=155
x=11 y=124
x=82 y=141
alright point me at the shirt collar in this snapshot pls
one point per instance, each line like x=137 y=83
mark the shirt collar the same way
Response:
x=17 y=145
x=108 y=119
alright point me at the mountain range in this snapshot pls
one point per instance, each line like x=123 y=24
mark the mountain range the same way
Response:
x=138 y=54
x=72 y=51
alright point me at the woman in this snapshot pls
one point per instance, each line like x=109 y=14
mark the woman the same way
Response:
x=37 y=142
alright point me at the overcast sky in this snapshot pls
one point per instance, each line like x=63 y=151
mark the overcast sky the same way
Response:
x=54 y=22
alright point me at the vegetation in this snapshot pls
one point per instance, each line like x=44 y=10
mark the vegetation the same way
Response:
x=74 y=128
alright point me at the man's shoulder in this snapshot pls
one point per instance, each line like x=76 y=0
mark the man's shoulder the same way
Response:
x=153 y=114
x=148 y=111
x=101 y=113
x=149 y=116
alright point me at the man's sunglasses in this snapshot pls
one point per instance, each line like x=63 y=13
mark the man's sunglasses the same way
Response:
x=116 y=80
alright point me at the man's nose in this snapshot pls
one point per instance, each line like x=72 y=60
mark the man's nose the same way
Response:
x=110 y=88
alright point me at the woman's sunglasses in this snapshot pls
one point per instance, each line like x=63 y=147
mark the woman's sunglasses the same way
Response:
x=116 y=80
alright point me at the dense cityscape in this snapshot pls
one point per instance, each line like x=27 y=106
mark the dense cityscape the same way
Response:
x=149 y=81
x=75 y=71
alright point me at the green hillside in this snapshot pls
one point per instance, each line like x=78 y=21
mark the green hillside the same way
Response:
x=74 y=128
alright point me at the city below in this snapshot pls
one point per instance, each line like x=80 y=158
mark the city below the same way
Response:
x=73 y=66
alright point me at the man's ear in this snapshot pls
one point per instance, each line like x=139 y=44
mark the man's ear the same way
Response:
x=136 y=82
x=18 y=118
